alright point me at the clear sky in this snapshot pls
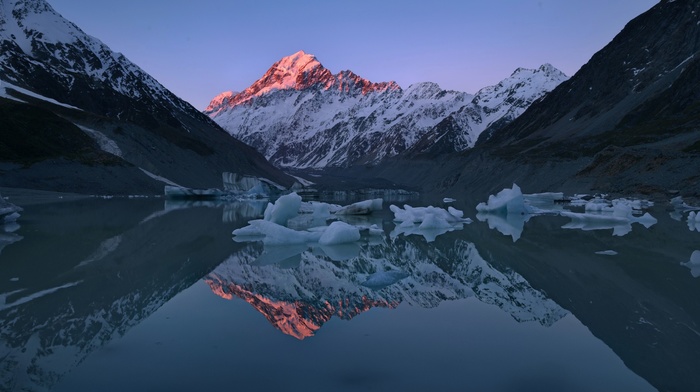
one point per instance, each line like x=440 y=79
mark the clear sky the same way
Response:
x=198 y=49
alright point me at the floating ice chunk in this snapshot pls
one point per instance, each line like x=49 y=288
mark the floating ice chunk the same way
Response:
x=417 y=214
x=449 y=200
x=380 y=280
x=620 y=220
x=339 y=233
x=284 y=209
x=455 y=212
x=275 y=234
x=361 y=207
x=429 y=222
x=606 y=252
x=507 y=201
x=693 y=264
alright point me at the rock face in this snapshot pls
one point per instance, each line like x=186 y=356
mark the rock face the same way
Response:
x=300 y=115
x=637 y=89
x=79 y=117
x=627 y=122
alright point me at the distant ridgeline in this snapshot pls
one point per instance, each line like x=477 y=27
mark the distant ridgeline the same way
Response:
x=300 y=115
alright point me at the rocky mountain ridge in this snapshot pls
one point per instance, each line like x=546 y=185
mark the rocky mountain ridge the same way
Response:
x=300 y=115
x=59 y=81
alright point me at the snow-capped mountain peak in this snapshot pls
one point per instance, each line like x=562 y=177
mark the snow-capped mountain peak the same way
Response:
x=300 y=115
x=299 y=71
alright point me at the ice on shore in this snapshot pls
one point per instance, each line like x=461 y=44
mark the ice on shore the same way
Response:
x=693 y=264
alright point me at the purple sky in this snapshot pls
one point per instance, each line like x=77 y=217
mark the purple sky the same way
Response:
x=198 y=49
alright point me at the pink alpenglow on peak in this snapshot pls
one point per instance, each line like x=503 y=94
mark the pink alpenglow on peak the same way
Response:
x=299 y=71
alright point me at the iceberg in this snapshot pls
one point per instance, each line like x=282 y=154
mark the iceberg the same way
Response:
x=284 y=209
x=507 y=201
x=600 y=216
x=274 y=234
x=339 y=233
x=430 y=222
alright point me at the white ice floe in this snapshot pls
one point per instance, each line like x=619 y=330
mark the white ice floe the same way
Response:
x=449 y=200
x=507 y=201
x=429 y=222
x=417 y=214
x=606 y=252
x=272 y=233
x=693 y=264
x=284 y=209
x=618 y=215
x=508 y=211
x=339 y=233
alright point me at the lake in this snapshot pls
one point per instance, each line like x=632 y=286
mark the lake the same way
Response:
x=150 y=295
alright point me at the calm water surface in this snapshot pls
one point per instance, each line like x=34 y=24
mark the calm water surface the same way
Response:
x=144 y=295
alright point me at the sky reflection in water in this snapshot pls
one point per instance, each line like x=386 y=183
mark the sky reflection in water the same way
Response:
x=131 y=296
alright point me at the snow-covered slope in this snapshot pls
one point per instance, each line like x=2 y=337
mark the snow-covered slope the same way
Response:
x=53 y=72
x=300 y=115
x=299 y=300
x=492 y=108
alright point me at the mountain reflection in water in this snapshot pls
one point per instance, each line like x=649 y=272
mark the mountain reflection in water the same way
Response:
x=67 y=295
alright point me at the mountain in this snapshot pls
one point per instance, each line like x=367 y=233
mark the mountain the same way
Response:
x=492 y=108
x=628 y=121
x=79 y=117
x=300 y=291
x=300 y=115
